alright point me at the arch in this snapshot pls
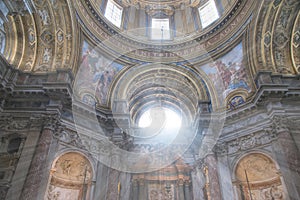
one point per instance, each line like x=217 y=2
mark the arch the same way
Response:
x=70 y=177
x=257 y=176
x=42 y=37
x=142 y=85
x=273 y=43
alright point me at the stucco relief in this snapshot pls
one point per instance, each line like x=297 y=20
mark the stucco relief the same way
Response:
x=258 y=178
x=258 y=167
x=59 y=193
x=72 y=166
x=274 y=192
x=161 y=192
x=70 y=178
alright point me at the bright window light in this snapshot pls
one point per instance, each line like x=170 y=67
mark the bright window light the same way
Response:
x=113 y=13
x=160 y=29
x=161 y=118
x=208 y=13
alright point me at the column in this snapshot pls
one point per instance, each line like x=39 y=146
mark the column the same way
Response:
x=113 y=181
x=102 y=174
x=135 y=190
x=181 y=189
x=38 y=164
x=92 y=190
x=187 y=195
x=198 y=181
x=212 y=174
x=125 y=179
x=23 y=165
x=142 y=189
x=288 y=157
x=225 y=178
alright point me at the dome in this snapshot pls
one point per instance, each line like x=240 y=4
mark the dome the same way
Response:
x=154 y=21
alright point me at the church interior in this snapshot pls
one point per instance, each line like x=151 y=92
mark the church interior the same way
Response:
x=149 y=99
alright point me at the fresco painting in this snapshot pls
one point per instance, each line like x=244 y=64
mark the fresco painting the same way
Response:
x=96 y=73
x=236 y=101
x=228 y=73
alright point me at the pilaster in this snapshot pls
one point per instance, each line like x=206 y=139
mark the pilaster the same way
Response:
x=38 y=165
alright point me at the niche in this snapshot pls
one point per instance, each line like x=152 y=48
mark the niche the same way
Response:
x=70 y=178
x=258 y=178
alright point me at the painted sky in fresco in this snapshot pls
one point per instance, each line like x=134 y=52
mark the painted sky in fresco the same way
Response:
x=96 y=73
x=228 y=73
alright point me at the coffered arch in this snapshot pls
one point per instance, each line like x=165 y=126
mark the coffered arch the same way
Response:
x=275 y=42
x=42 y=37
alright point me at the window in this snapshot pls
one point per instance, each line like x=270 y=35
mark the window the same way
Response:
x=113 y=13
x=14 y=145
x=208 y=13
x=160 y=29
x=160 y=115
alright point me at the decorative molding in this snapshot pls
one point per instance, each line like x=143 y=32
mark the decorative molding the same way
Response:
x=245 y=143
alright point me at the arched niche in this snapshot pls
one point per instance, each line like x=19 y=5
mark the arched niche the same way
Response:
x=258 y=178
x=70 y=178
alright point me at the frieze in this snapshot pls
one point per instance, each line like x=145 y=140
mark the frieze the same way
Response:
x=8 y=123
x=246 y=142
x=280 y=123
x=69 y=137
x=250 y=120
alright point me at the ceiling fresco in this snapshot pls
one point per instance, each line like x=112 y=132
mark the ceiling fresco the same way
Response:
x=95 y=75
x=229 y=73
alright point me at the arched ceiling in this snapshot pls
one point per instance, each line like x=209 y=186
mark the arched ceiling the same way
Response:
x=275 y=37
x=41 y=35
x=146 y=86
